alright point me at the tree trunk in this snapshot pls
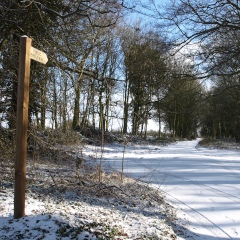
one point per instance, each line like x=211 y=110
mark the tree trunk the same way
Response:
x=43 y=104
x=55 y=106
x=76 y=111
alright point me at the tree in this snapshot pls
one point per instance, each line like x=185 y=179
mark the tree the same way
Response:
x=222 y=113
x=182 y=101
x=211 y=30
x=143 y=61
x=212 y=26
x=63 y=29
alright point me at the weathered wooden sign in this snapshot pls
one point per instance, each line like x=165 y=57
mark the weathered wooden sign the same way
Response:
x=38 y=55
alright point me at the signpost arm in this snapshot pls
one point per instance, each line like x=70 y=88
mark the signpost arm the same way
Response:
x=22 y=124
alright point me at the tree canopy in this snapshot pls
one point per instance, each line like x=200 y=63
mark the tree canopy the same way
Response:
x=105 y=69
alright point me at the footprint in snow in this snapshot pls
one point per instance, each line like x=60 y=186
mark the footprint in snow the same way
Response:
x=233 y=230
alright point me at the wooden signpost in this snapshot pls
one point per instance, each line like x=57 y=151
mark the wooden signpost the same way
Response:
x=26 y=53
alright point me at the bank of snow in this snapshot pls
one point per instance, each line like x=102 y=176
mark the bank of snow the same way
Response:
x=77 y=218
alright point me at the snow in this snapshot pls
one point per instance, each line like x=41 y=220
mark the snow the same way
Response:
x=49 y=219
x=185 y=192
x=202 y=184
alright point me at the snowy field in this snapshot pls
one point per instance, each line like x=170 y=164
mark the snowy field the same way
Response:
x=202 y=184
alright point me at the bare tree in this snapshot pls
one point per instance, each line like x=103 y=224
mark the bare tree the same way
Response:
x=203 y=24
x=63 y=29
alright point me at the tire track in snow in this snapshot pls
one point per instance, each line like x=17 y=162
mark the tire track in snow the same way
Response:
x=199 y=184
x=225 y=167
x=204 y=186
x=201 y=219
x=215 y=230
x=156 y=169
x=206 y=223
x=201 y=149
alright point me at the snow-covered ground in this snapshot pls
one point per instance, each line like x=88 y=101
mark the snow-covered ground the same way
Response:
x=202 y=184
x=64 y=201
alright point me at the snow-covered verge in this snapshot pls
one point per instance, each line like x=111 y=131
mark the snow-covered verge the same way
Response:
x=65 y=201
x=229 y=144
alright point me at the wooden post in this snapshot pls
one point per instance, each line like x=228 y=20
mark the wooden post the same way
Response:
x=22 y=125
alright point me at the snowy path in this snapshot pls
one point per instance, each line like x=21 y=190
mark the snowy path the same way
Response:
x=203 y=184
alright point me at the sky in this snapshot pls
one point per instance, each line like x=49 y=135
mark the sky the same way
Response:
x=145 y=7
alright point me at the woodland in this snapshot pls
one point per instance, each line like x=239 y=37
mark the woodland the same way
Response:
x=115 y=65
